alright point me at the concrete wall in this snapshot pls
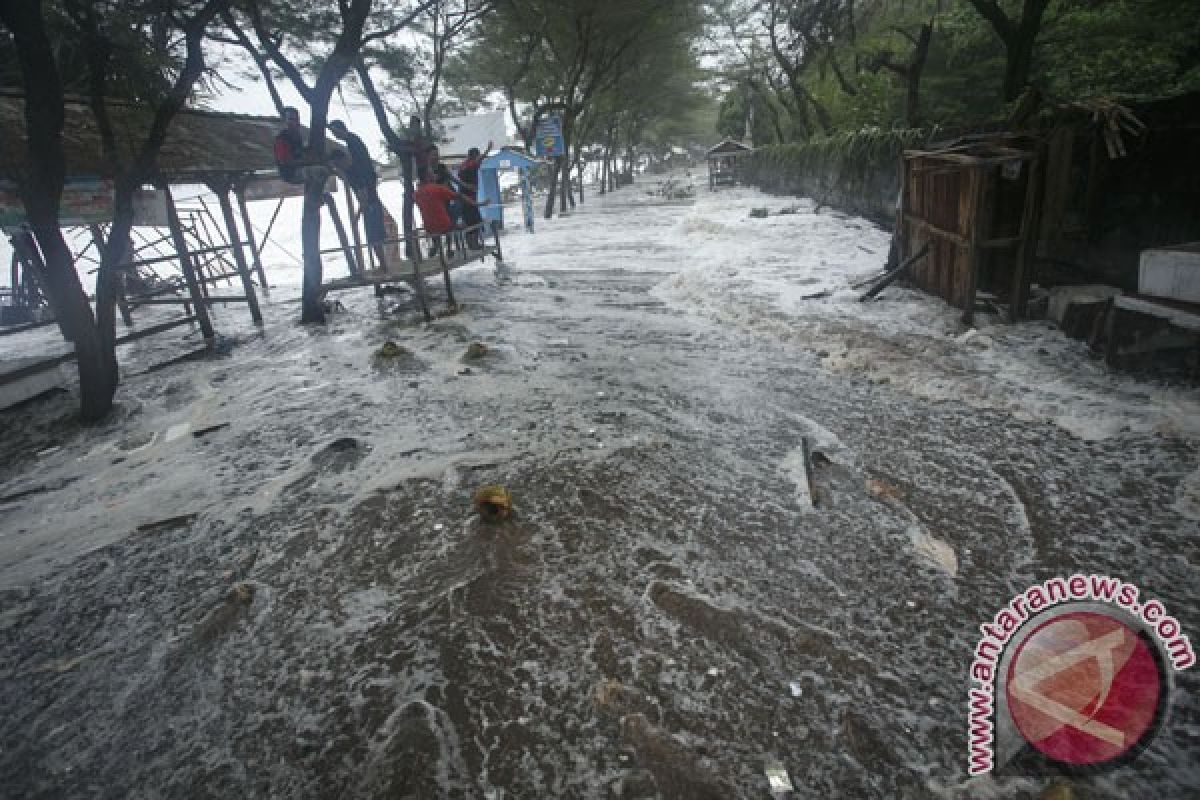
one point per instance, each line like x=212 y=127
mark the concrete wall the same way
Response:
x=856 y=173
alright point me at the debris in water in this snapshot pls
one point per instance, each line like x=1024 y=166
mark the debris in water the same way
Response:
x=758 y=213
x=883 y=490
x=476 y=350
x=180 y=521
x=795 y=688
x=437 y=526
x=938 y=552
x=390 y=350
x=713 y=672
x=777 y=777
x=493 y=503
x=210 y=429
x=242 y=593
x=1058 y=791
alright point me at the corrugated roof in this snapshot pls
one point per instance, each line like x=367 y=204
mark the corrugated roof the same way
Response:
x=197 y=142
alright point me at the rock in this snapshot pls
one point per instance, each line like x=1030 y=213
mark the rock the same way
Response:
x=391 y=350
x=475 y=351
x=493 y=503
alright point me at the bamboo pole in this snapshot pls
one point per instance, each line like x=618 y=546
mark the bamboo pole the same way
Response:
x=240 y=191
x=185 y=263
x=239 y=256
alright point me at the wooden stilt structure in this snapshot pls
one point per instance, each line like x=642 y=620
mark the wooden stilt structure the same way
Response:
x=240 y=191
x=185 y=263
x=238 y=254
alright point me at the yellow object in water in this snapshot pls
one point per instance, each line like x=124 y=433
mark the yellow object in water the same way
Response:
x=493 y=502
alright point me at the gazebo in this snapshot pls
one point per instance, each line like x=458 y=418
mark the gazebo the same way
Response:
x=724 y=163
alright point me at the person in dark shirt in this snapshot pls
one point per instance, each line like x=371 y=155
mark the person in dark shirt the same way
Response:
x=361 y=174
x=441 y=173
x=468 y=179
x=290 y=156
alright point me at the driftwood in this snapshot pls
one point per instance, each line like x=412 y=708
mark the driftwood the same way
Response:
x=890 y=277
x=806 y=455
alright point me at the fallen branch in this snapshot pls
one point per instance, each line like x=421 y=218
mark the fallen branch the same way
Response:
x=887 y=279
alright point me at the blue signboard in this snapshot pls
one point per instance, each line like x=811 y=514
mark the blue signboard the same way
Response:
x=548 y=137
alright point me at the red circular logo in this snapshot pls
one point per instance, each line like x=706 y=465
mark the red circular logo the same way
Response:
x=1084 y=688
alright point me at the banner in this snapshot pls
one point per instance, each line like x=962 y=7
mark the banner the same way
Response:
x=83 y=203
x=548 y=137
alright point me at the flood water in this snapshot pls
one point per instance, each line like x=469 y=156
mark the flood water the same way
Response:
x=303 y=603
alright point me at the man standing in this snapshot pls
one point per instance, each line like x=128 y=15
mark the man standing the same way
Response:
x=468 y=179
x=359 y=173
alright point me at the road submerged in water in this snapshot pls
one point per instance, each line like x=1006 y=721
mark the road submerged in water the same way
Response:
x=303 y=603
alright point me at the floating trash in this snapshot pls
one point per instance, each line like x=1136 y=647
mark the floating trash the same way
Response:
x=493 y=503
x=795 y=688
x=390 y=350
x=884 y=490
x=777 y=777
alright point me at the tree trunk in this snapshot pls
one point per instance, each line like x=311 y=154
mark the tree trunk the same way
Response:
x=41 y=193
x=312 y=309
x=916 y=65
x=564 y=185
x=1019 y=49
x=552 y=188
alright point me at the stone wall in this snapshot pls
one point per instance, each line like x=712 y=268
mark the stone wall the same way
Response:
x=858 y=172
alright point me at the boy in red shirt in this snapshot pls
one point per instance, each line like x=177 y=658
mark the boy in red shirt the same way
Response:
x=434 y=201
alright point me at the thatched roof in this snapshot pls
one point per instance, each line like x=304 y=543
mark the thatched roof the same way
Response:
x=729 y=148
x=198 y=142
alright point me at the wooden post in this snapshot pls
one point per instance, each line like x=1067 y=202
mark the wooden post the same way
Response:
x=446 y=269
x=185 y=263
x=418 y=281
x=978 y=202
x=352 y=215
x=240 y=191
x=496 y=236
x=239 y=256
x=1027 y=248
x=341 y=233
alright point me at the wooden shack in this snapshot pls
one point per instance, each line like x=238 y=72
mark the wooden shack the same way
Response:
x=971 y=205
x=724 y=163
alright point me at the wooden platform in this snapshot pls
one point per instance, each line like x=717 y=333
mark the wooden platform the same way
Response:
x=403 y=271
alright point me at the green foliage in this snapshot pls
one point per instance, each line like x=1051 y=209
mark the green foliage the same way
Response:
x=858 y=151
x=853 y=58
